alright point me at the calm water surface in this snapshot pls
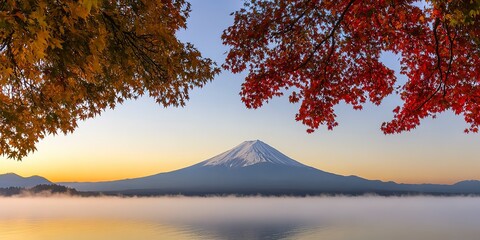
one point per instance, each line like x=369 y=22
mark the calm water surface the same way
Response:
x=179 y=218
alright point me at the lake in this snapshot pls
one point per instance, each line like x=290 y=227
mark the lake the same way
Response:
x=57 y=217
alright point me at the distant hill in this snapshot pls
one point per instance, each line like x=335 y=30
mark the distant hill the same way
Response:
x=43 y=190
x=14 y=180
x=254 y=167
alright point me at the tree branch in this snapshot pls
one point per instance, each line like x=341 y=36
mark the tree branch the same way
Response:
x=330 y=35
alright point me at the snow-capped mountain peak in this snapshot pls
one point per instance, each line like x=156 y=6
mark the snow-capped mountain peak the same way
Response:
x=249 y=153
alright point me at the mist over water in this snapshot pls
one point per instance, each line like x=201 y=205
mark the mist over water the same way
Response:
x=240 y=218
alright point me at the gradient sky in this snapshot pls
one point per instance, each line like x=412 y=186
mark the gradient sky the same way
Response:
x=141 y=138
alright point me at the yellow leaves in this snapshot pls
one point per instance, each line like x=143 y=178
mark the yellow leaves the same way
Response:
x=97 y=44
x=39 y=17
x=93 y=66
x=5 y=73
x=88 y=4
x=84 y=7
x=474 y=12
x=459 y=12
x=77 y=10
x=69 y=62
x=66 y=21
x=39 y=46
x=81 y=11
x=57 y=43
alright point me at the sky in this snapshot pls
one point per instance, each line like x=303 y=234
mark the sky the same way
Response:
x=140 y=138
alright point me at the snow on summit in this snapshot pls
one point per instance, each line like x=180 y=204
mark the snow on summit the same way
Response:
x=249 y=153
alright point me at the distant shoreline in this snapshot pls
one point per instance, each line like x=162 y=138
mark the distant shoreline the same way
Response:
x=52 y=190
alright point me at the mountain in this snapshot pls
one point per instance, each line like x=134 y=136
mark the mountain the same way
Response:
x=250 y=153
x=254 y=167
x=14 y=180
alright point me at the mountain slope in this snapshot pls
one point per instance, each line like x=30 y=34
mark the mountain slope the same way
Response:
x=14 y=180
x=254 y=167
x=251 y=167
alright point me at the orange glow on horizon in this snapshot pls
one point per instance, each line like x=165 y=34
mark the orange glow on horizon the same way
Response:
x=105 y=172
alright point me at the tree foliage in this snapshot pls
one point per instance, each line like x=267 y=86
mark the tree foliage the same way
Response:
x=65 y=61
x=43 y=190
x=323 y=52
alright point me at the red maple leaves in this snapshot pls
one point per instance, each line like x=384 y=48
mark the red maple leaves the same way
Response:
x=324 y=52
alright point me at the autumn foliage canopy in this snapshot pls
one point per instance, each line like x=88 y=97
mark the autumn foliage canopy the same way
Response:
x=324 y=52
x=65 y=61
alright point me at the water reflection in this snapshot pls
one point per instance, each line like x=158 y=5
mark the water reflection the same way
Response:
x=240 y=218
x=93 y=229
x=233 y=231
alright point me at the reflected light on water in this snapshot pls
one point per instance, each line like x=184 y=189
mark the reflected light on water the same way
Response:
x=240 y=218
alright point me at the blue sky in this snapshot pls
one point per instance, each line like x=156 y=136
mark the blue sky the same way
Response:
x=140 y=137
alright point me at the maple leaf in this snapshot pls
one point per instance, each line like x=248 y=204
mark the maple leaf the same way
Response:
x=66 y=61
x=328 y=52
